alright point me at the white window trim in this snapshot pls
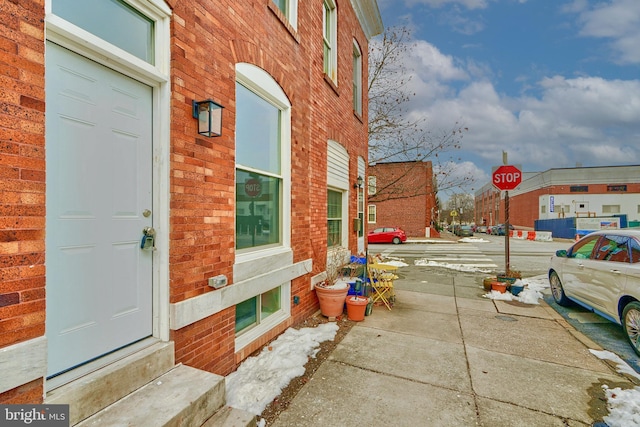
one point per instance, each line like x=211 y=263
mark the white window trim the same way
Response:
x=375 y=214
x=291 y=13
x=344 y=218
x=371 y=185
x=261 y=83
x=333 y=41
x=249 y=335
x=357 y=78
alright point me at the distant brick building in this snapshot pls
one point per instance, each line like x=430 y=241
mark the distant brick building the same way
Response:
x=562 y=193
x=402 y=194
x=151 y=232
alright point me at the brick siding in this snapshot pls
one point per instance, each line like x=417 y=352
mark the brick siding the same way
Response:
x=404 y=197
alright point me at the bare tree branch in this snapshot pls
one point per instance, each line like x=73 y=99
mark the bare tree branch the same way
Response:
x=393 y=137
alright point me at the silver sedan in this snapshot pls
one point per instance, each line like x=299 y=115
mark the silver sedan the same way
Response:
x=601 y=272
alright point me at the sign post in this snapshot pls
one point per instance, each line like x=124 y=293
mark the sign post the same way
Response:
x=505 y=178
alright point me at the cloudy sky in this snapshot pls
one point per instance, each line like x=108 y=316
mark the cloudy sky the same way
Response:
x=554 y=83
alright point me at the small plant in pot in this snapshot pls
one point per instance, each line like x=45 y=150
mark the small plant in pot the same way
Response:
x=510 y=276
x=332 y=291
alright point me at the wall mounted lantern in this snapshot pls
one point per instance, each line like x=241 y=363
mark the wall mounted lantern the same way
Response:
x=209 y=115
x=358 y=183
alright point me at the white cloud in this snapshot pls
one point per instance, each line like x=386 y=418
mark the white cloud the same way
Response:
x=617 y=20
x=469 y=4
x=587 y=120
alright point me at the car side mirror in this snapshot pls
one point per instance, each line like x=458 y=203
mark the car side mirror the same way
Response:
x=561 y=253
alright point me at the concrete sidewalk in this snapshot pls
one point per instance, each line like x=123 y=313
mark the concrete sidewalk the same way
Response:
x=445 y=356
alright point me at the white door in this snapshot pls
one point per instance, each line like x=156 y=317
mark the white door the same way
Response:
x=99 y=182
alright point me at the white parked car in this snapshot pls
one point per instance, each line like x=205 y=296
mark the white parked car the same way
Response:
x=601 y=272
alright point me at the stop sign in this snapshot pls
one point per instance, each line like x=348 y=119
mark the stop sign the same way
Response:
x=252 y=187
x=506 y=177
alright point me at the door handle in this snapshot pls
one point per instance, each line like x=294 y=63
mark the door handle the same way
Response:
x=148 y=242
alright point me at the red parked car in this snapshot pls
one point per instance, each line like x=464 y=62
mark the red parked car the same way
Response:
x=387 y=235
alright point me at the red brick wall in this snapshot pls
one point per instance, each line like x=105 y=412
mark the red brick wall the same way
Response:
x=524 y=208
x=202 y=169
x=207 y=39
x=404 y=196
x=22 y=172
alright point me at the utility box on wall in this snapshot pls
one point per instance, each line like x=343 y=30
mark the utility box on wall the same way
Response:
x=357 y=224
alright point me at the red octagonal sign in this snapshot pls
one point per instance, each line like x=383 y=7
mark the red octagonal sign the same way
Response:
x=506 y=177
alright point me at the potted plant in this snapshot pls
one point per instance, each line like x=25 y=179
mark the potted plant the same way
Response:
x=510 y=276
x=332 y=291
x=356 y=307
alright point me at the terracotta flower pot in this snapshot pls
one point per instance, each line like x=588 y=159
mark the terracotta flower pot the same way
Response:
x=356 y=308
x=331 y=300
x=486 y=283
x=499 y=286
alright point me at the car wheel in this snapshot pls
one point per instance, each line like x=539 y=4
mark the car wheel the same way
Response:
x=396 y=241
x=556 y=289
x=631 y=324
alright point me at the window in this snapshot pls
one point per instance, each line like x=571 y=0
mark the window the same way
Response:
x=357 y=79
x=371 y=187
x=253 y=311
x=583 y=249
x=262 y=157
x=361 y=212
x=634 y=247
x=371 y=214
x=613 y=248
x=106 y=18
x=579 y=188
x=334 y=218
x=329 y=38
x=610 y=209
x=289 y=9
x=616 y=187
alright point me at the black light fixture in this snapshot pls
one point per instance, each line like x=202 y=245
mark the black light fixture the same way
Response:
x=209 y=115
x=358 y=183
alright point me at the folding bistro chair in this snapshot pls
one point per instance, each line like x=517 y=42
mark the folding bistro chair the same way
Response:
x=381 y=277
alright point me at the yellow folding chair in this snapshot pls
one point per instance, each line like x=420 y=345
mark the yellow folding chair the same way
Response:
x=381 y=277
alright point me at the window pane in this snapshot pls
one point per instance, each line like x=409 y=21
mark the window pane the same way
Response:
x=613 y=248
x=270 y=303
x=334 y=210
x=282 y=5
x=257 y=132
x=246 y=314
x=113 y=21
x=583 y=249
x=334 y=218
x=634 y=246
x=357 y=80
x=258 y=202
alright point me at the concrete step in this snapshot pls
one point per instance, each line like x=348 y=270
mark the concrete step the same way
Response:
x=97 y=390
x=184 y=396
x=231 y=417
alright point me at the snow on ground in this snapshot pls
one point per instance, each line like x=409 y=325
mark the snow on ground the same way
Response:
x=532 y=292
x=623 y=405
x=468 y=268
x=473 y=240
x=261 y=378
